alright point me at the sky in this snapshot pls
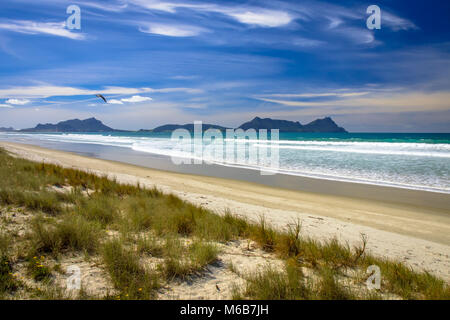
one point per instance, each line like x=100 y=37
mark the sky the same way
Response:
x=225 y=62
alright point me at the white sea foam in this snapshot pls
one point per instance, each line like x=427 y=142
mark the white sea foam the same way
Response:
x=376 y=149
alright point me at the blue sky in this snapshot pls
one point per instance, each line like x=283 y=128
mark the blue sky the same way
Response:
x=225 y=62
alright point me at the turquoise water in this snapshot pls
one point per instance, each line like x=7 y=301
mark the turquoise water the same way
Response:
x=408 y=160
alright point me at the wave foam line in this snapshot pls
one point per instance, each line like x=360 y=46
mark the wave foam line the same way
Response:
x=360 y=151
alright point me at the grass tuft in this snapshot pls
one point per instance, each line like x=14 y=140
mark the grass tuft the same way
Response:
x=72 y=233
x=8 y=282
x=265 y=235
x=289 y=243
x=181 y=262
x=271 y=284
x=330 y=288
x=129 y=277
x=99 y=208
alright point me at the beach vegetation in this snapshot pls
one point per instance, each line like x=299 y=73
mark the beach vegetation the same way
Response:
x=71 y=233
x=129 y=277
x=145 y=239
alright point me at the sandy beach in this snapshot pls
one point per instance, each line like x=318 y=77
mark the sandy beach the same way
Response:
x=417 y=233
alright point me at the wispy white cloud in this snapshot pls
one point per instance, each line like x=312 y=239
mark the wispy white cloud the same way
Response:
x=133 y=99
x=109 y=6
x=317 y=95
x=171 y=30
x=256 y=16
x=343 y=21
x=259 y=17
x=357 y=35
x=173 y=90
x=396 y=23
x=376 y=102
x=6 y=106
x=20 y=102
x=136 y=99
x=341 y=16
x=45 y=91
x=181 y=77
x=49 y=28
x=306 y=43
x=114 y=101
x=195 y=106
x=169 y=6
x=103 y=6
x=335 y=22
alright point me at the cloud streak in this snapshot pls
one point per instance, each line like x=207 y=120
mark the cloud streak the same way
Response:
x=115 y=101
x=375 y=103
x=259 y=17
x=255 y=16
x=171 y=30
x=18 y=101
x=46 y=91
x=397 y=23
x=136 y=99
x=46 y=28
x=317 y=95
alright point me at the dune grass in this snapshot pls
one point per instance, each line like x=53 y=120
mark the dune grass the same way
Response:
x=8 y=283
x=71 y=233
x=150 y=245
x=97 y=208
x=148 y=224
x=272 y=284
x=128 y=276
x=182 y=260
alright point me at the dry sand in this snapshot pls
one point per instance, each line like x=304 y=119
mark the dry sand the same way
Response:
x=416 y=235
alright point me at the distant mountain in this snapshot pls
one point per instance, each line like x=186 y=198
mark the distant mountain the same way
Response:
x=267 y=123
x=2 y=129
x=320 y=125
x=323 y=125
x=75 y=125
x=93 y=125
x=189 y=127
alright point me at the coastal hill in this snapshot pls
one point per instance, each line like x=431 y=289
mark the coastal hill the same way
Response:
x=93 y=125
x=320 y=125
x=189 y=127
x=75 y=125
x=2 y=129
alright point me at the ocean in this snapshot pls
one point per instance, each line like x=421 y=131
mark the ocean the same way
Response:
x=418 y=161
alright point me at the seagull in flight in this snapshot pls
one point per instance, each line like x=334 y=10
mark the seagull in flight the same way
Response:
x=102 y=97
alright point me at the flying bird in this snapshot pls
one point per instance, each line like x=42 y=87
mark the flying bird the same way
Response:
x=102 y=97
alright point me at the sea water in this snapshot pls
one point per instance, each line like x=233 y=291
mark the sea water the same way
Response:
x=407 y=160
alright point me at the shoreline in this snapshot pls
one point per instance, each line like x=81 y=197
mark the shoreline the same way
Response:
x=416 y=234
x=317 y=185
